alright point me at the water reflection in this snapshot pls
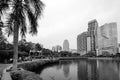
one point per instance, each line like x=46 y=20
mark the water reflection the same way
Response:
x=92 y=70
x=108 y=70
x=66 y=70
x=83 y=70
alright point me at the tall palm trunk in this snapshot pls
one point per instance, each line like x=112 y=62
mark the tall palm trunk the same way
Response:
x=15 y=57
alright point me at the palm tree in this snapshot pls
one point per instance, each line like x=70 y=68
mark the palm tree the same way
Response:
x=22 y=12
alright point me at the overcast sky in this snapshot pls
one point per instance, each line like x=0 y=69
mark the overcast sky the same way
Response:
x=65 y=19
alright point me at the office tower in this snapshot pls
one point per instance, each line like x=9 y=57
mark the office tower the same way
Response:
x=107 y=39
x=88 y=44
x=65 y=45
x=92 y=33
x=82 y=43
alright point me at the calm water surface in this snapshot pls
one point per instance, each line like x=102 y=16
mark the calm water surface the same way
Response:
x=83 y=70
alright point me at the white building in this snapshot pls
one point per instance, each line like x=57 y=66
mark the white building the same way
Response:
x=73 y=50
x=107 y=39
x=65 y=45
x=88 y=45
x=57 y=48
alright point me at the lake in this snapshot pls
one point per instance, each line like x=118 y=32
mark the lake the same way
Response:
x=83 y=70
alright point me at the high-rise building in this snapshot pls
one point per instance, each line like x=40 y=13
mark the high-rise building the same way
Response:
x=107 y=39
x=98 y=40
x=92 y=33
x=119 y=47
x=88 y=44
x=65 y=45
x=82 y=43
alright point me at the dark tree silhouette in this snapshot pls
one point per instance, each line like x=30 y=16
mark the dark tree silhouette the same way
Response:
x=38 y=47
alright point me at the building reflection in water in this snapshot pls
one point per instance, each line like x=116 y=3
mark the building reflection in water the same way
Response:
x=66 y=70
x=98 y=70
x=92 y=70
x=108 y=70
x=83 y=70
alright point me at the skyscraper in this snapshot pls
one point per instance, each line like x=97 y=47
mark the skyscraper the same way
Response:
x=98 y=40
x=82 y=43
x=65 y=45
x=88 y=44
x=92 y=33
x=107 y=39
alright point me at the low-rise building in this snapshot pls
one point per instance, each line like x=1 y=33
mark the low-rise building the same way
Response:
x=57 y=48
x=73 y=50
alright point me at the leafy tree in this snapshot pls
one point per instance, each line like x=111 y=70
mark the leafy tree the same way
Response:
x=3 y=45
x=25 y=46
x=22 y=41
x=29 y=46
x=38 y=47
x=9 y=46
x=3 y=41
x=21 y=10
x=46 y=52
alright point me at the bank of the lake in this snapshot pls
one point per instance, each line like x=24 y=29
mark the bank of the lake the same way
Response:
x=27 y=69
x=35 y=65
x=83 y=69
x=96 y=58
x=2 y=67
x=34 y=68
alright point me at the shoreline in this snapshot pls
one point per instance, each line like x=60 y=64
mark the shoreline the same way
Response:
x=88 y=58
x=25 y=66
x=30 y=65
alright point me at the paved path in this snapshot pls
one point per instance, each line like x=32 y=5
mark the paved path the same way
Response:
x=2 y=67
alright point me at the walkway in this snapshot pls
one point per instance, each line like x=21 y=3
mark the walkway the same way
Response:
x=2 y=67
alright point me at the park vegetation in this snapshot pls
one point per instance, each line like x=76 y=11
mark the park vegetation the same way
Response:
x=20 y=13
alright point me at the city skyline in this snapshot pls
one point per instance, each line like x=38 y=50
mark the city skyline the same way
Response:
x=65 y=19
x=98 y=40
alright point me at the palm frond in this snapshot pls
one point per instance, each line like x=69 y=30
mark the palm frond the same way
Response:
x=21 y=10
x=10 y=24
x=4 y=4
x=33 y=23
x=38 y=6
x=20 y=17
x=23 y=28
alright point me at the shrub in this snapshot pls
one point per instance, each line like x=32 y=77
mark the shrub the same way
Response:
x=24 y=75
x=4 y=56
x=37 y=66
